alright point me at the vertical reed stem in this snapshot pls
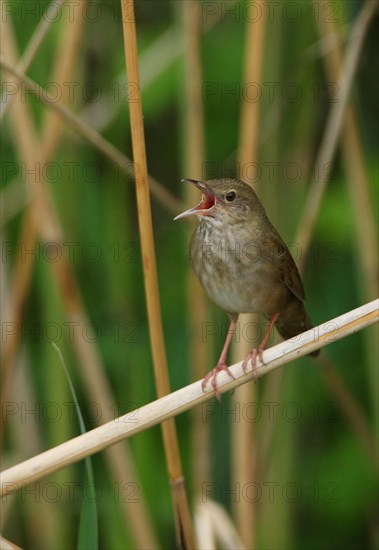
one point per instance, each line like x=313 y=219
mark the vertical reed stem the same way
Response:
x=244 y=451
x=43 y=216
x=181 y=506
x=193 y=168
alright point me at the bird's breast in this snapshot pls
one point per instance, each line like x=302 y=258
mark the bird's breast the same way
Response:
x=233 y=270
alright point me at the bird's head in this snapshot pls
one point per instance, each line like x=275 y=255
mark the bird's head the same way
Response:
x=224 y=199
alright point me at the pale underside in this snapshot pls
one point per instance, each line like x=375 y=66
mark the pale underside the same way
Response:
x=242 y=275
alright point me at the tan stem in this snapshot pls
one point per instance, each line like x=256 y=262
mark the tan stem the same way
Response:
x=334 y=125
x=193 y=157
x=94 y=138
x=45 y=219
x=181 y=506
x=186 y=398
x=244 y=441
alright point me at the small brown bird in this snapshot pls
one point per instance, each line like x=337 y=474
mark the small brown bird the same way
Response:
x=244 y=265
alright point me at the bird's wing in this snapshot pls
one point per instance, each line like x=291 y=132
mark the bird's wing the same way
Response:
x=286 y=266
x=291 y=278
x=267 y=247
x=288 y=272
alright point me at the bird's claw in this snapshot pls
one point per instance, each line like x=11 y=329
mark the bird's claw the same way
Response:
x=212 y=375
x=252 y=356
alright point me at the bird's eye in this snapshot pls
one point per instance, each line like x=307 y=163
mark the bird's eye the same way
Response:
x=230 y=196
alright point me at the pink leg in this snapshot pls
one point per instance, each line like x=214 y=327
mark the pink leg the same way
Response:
x=221 y=365
x=257 y=352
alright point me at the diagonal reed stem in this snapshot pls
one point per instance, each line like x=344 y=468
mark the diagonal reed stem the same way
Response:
x=5 y=544
x=33 y=45
x=185 y=533
x=334 y=125
x=165 y=198
x=63 y=66
x=43 y=216
x=335 y=383
x=359 y=190
x=186 y=398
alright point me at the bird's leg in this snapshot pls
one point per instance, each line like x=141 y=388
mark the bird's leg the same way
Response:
x=221 y=365
x=257 y=352
x=263 y=344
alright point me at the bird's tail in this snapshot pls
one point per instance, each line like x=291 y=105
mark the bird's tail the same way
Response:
x=293 y=321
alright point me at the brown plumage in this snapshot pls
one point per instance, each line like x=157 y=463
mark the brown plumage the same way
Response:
x=243 y=264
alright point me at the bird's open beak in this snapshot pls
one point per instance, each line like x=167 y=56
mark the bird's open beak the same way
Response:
x=207 y=202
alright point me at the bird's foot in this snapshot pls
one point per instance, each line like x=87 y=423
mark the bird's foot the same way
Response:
x=212 y=375
x=252 y=356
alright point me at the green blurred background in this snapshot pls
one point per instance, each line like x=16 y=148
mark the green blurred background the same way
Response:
x=319 y=489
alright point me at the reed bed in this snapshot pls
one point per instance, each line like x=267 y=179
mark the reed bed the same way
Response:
x=226 y=89
x=185 y=398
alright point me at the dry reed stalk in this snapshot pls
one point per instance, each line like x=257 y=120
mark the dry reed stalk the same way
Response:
x=266 y=433
x=253 y=67
x=243 y=443
x=64 y=63
x=193 y=168
x=26 y=143
x=185 y=532
x=157 y=58
x=359 y=189
x=34 y=44
x=15 y=304
x=89 y=360
x=7 y=545
x=335 y=382
x=162 y=195
x=168 y=48
x=181 y=400
x=214 y=525
x=334 y=125
x=351 y=142
x=43 y=521
x=350 y=408
x=345 y=117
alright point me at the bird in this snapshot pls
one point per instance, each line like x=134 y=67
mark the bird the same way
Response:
x=244 y=265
